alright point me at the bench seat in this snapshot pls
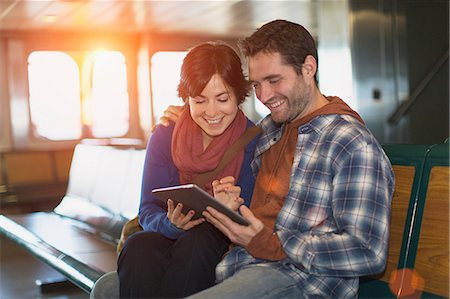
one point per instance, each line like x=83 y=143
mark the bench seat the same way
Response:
x=418 y=256
x=66 y=245
x=79 y=237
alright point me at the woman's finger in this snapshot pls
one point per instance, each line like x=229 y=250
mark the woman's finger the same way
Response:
x=169 y=208
x=193 y=223
x=227 y=180
x=182 y=220
x=176 y=213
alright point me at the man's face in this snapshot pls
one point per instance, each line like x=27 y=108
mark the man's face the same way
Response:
x=279 y=87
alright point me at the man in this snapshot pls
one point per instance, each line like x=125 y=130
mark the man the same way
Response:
x=319 y=216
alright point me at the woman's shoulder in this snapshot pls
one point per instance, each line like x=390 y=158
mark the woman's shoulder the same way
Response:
x=163 y=132
x=161 y=137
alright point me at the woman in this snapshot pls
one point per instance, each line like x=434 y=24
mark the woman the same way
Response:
x=175 y=256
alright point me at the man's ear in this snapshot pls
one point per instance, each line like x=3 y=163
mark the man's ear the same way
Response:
x=309 y=67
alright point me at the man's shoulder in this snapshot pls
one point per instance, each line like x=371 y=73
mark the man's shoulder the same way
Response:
x=340 y=123
x=344 y=129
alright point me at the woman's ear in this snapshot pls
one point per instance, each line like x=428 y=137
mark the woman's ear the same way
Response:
x=309 y=67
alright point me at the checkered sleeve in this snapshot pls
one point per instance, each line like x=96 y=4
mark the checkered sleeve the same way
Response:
x=362 y=187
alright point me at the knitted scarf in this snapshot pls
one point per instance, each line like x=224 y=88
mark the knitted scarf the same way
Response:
x=189 y=156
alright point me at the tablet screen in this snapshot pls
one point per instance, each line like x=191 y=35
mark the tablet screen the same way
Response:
x=194 y=198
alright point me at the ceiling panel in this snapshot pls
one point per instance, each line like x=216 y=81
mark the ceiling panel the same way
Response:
x=225 y=18
x=18 y=14
x=92 y=15
x=51 y=14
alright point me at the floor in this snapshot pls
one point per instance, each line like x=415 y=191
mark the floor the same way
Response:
x=19 y=270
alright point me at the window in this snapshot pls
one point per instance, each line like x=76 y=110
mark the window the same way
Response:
x=65 y=105
x=165 y=74
x=260 y=108
x=109 y=95
x=54 y=88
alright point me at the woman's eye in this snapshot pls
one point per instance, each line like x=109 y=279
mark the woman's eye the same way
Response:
x=198 y=101
x=223 y=100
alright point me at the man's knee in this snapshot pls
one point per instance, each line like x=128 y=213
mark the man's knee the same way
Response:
x=106 y=287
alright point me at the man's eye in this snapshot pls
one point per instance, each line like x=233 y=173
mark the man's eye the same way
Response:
x=274 y=81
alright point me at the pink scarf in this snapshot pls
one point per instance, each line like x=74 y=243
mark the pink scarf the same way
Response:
x=188 y=154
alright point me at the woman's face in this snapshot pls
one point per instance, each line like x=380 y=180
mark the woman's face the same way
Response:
x=214 y=109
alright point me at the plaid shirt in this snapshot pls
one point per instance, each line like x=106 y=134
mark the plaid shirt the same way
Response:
x=334 y=224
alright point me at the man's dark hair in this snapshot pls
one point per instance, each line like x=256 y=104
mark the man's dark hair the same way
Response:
x=291 y=40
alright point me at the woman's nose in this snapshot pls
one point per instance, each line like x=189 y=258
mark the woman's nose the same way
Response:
x=211 y=109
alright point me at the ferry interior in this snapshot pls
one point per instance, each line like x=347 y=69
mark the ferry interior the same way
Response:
x=77 y=74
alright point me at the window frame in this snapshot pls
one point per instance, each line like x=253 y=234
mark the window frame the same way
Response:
x=17 y=51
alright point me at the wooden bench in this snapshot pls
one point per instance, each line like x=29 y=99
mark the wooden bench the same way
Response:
x=78 y=238
x=32 y=180
x=418 y=256
x=431 y=259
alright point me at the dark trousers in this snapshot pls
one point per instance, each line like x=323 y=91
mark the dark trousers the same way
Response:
x=153 y=266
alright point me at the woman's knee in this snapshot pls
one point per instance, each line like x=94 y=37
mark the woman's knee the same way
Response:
x=202 y=237
x=143 y=244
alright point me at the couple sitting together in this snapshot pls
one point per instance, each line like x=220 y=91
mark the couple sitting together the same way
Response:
x=310 y=178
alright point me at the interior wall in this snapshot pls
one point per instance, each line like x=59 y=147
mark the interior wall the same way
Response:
x=5 y=139
x=375 y=74
x=427 y=31
x=394 y=46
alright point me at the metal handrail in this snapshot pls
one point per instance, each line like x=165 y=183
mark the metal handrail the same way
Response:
x=410 y=100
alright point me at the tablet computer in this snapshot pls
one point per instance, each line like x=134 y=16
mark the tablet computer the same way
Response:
x=194 y=198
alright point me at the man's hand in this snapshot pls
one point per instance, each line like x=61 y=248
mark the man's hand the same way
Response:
x=227 y=192
x=171 y=113
x=179 y=219
x=238 y=234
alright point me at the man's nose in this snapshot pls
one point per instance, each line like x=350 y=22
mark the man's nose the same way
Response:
x=265 y=93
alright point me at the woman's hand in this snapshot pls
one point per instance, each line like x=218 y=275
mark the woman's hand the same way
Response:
x=179 y=219
x=227 y=192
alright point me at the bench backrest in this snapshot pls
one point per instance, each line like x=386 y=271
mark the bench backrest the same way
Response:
x=104 y=186
x=418 y=244
x=32 y=179
x=431 y=260
x=407 y=162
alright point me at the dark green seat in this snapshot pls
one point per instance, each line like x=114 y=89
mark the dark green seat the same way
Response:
x=429 y=254
x=408 y=162
x=419 y=248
